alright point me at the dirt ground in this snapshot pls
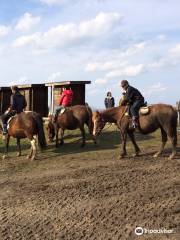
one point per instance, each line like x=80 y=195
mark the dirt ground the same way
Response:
x=73 y=193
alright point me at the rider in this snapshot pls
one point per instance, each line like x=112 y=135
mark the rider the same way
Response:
x=17 y=105
x=65 y=100
x=134 y=99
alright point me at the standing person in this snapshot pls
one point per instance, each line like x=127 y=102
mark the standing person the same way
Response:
x=17 y=105
x=109 y=100
x=134 y=99
x=66 y=99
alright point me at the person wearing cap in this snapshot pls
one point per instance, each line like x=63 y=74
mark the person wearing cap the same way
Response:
x=17 y=105
x=109 y=100
x=134 y=99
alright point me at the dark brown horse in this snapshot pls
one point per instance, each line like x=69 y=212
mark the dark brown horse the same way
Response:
x=74 y=117
x=160 y=116
x=26 y=125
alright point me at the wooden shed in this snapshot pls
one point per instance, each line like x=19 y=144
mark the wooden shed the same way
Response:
x=36 y=96
x=78 y=88
x=5 y=94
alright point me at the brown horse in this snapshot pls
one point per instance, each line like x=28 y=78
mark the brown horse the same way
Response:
x=74 y=117
x=160 y=116
x=26 y=125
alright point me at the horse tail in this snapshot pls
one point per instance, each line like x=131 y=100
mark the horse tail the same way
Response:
x=89 y=123
x=41 y=134
x=174 y=125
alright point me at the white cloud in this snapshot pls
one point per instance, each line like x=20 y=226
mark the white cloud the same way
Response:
x=116 y=59
x=161 y=37
x=4 y=30
x=53 y=2
x=27 y=21
x=57 y=76
x=175 y=52
x=101 y=81
x=26 y=40
x=106 y=66
x=129 y=71
x=93 y=92
x=21 y=80
x=62 y=35
x=154 y=89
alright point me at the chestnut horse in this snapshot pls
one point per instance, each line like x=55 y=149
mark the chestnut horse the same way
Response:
x=74 y=117
x=26 y=125
x=160 y=116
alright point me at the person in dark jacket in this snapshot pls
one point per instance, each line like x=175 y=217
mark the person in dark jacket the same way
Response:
x=17 y=105
x=134 y=99
x=109 y=100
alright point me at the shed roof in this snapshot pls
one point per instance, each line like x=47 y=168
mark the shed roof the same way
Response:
x=30 y=85
x=24 y=86
x=66 y=83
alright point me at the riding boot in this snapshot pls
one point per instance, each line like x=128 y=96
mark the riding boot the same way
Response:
x=5 y=131
x=135 y=122
x=55 y=118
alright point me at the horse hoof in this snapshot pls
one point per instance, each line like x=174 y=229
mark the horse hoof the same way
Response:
x=171 y=157
x=18 y=155
x=4 y=157
x=135 y=155
x=156 y=155
x=121 y=157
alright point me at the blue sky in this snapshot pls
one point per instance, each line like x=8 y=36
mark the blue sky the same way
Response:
x=104 y=41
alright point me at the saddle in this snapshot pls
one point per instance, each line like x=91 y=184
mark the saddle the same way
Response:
x=9 y=120
x=63 y=110
x=145 y=110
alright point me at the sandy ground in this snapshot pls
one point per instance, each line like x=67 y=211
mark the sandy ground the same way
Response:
x=72 y=193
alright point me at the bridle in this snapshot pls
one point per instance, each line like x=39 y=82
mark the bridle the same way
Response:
x=103 y=122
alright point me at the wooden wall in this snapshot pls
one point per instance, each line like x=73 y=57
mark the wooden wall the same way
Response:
x=5 y=95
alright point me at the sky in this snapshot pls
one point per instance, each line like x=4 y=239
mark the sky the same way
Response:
x=104 y=41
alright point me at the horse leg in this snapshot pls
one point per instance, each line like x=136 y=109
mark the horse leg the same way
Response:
x=90 y=128
x=136 y=148
x=91 y=134
x=7 y=138
x=164 y=140
x=34 y=148
x=83 y=136
x=19 y=147
x=123 y=135
x=57 y=133
x=172 y=134
x=62 y=136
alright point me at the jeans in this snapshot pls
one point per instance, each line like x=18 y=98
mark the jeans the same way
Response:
x=5 y=117
x=134 y=108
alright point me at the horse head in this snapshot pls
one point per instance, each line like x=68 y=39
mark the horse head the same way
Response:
x=98 y=123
